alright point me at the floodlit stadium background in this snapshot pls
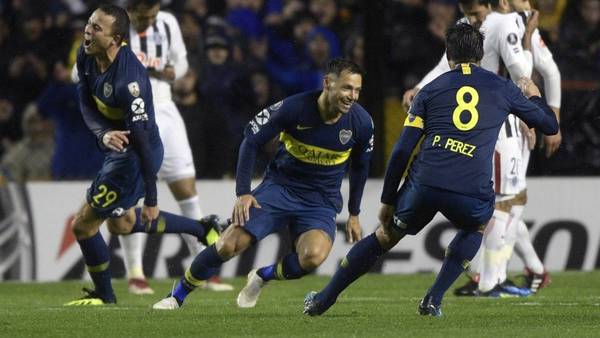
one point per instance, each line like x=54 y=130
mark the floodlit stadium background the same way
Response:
x=275 y=48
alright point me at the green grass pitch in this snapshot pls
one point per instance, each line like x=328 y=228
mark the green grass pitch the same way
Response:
x=375 y=306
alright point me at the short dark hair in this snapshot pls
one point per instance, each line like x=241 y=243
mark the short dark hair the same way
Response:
x=338 y=65
x=464 y=43
x=147 y=3
x=121 y=25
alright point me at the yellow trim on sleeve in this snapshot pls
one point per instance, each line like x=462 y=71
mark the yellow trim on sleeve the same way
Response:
x=414 y=121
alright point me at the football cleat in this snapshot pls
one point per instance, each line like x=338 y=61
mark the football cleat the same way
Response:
x=469 y=289
x=139 y=286
x=534 y=281
x=91 y=298
x=427 y=308
x=511 y=288
x=167 y=303
x=212 y=229
x=249 y=295
x=214 y=283
x=313 y=306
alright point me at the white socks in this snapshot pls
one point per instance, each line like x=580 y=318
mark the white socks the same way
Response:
x=492 y=255
x=191 y=208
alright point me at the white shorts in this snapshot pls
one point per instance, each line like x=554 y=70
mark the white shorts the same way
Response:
x=525 y=154
x=507 y=164
x=178 y=162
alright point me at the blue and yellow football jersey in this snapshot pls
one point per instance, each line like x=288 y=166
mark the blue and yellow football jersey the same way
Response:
x=120 y=98
x=461 y=113
x=312 y=157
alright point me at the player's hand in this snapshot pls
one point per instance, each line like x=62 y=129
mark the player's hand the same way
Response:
x=532 y=22
x=408 y=96
x=168 y=74
x=528 y=88
x=353 y=229
x=551 y=143
x=149 y=214
x=386 y=213
x=241 y=209
x=116 y=140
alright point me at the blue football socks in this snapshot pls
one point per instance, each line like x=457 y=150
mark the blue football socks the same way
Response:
x=288 y=268
x=205 y=265
x=359 y=260
x=169 y=223
x=96 y=256
x=460 y=252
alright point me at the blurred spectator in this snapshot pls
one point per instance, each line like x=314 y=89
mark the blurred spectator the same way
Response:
x=580 y=41
x=551 y=12
x=191 y=31
x=354 y=49
x=185 y=96
x=29 y=159
x=10 y=129
x=225 y=101
x=76 y=155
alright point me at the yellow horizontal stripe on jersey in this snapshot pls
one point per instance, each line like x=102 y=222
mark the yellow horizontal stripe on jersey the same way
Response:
x=414 y=121
x=109 y=112
x=312 y=154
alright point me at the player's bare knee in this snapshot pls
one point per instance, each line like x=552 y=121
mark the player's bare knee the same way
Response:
x=387 y=237
x=312 y=258
x=82 y=226
x=233 y=242
x=119 y=226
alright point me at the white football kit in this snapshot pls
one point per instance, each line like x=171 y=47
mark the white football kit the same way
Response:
x=159 y=46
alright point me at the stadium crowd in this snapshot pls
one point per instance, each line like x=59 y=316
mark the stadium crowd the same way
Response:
x=247 y=54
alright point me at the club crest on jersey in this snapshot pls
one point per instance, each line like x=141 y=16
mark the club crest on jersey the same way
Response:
x=107 y=89
x=134 y=89
x=345 y=136
x=158 y=39
x=512 y=38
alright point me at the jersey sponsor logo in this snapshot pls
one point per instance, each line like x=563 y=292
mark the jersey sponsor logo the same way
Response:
x=107 y=89
x=263 y=117
x=345 y=136
x=134 y=89
x=138 y=107
x=512 y=38
x=312 y=154
x=276 y=106
x=299 y=127
x=149 y=62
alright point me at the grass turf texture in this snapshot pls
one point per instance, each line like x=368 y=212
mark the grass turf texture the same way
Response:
x=375 y=306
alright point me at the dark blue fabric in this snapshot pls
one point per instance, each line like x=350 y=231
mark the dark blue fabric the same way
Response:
x=281 y=207
x=95 y=252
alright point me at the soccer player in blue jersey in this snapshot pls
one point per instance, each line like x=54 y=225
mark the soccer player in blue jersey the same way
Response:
x=458 y=117
x=116 y=103
x=322 y=133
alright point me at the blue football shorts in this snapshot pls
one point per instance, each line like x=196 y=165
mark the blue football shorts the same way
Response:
x=283 y=207
x=119 y=184
x=417 y=205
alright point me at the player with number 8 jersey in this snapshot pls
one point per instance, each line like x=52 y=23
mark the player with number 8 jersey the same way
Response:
x=458 y=116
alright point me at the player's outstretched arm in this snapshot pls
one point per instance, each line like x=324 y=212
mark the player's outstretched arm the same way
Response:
x=533 y=111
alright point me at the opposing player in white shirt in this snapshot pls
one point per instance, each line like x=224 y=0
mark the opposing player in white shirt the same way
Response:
x=502 y=46
x=156 y=39
x=516 y=231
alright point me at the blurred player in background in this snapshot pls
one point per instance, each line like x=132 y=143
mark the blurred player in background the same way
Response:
x=457 y=116
x=155 y=38
x=322 y=135
x=117 y=105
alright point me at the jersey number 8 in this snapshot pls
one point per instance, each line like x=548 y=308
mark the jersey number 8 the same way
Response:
x=466 y=106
